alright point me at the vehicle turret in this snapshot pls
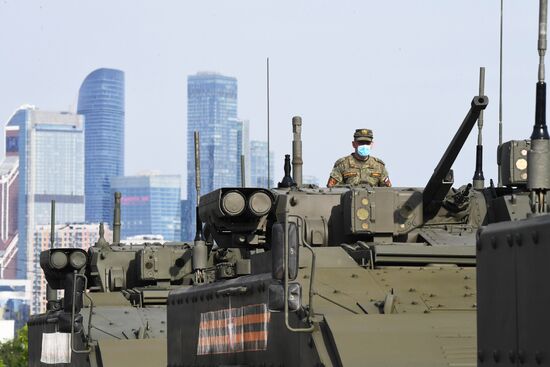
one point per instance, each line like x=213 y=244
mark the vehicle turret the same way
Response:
x=113 y=299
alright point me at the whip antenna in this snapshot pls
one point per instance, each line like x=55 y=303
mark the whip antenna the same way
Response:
x=500 y=77
x=268 y=160
x=500 y=89
x=538 y=175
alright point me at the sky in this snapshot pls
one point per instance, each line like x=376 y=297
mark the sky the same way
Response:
x=406 y=69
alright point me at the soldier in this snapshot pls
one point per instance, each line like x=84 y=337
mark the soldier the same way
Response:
x=360 y=167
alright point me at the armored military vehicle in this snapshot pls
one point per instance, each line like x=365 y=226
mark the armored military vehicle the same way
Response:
x=113 y=309
x=307 y=276
x=357 y=276
x=513 y=255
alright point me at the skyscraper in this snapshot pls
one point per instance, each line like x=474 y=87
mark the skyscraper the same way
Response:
x=9 y=196
x=51 y=167
x=101 y=101
x=9 y=189
x=212 y=111
x=258 y=165
x=150 y=205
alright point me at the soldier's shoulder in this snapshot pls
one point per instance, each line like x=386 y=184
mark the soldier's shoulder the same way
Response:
x=378 y=160
x=341 y=161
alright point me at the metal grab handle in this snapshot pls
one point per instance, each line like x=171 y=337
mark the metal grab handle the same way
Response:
x=285 y=240
x=313 y=261
x=73 y=312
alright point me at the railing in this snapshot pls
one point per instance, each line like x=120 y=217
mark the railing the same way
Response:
x=311 y=292
x=73 y=314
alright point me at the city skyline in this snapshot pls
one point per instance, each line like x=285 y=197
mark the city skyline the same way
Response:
x=331 y=66
x=212 y=105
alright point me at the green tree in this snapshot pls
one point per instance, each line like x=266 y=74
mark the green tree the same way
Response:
x=15 y=353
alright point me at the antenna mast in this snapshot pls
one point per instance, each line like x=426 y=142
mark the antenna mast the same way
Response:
x=538 y=169
x=500 y=89
x=500 y=77
x=268 y=160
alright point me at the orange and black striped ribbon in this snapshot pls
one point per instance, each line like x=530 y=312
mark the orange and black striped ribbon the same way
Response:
x=234 y=330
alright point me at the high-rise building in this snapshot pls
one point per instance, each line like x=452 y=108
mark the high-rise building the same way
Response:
x=212 y=111
x=150 y=205
x=258 y=165
x=9 y=189
x=101 y=101
x=51 y=167
x=78 y=235
x=187 y=217
x=9 y=196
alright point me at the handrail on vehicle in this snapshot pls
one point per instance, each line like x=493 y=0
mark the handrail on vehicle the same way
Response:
x=73 y=313
x=286 y=256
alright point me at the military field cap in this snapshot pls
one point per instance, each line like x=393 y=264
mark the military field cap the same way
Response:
x=363 y=135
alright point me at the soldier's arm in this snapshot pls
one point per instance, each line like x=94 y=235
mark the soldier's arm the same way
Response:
x=335 y=177
x=385 y=178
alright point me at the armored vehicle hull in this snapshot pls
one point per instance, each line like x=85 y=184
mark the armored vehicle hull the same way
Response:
x=391 y=315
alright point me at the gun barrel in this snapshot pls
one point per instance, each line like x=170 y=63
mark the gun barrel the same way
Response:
x=198 y=232
x=116 y=219
x=432 y=194
x=297 y=161
x=197 y=166
x=52 y=224
x=243 y=171
x=543 y=19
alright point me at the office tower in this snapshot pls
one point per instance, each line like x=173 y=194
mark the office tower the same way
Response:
x=186 y=217
x=51 y=167
x=78 y=235
x=258 y=165
x=16 y=303
x=212 y=111
x=101 y=101
x=150 y=205
x=9 y=189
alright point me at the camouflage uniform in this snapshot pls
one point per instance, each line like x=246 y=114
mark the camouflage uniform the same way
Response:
x=352 y=170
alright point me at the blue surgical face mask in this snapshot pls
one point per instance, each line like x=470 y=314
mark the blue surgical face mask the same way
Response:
x=363 y=150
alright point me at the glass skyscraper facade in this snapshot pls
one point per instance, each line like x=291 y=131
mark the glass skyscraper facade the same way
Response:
x=150 y=205
x=101 y=101
x=9 y=195
x=51 y=167
x=258 y=165
x=212 y=111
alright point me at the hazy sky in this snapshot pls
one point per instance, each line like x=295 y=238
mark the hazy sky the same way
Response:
x=406 y=69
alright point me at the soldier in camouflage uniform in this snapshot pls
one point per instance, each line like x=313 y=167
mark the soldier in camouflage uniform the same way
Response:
x=360 y=168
